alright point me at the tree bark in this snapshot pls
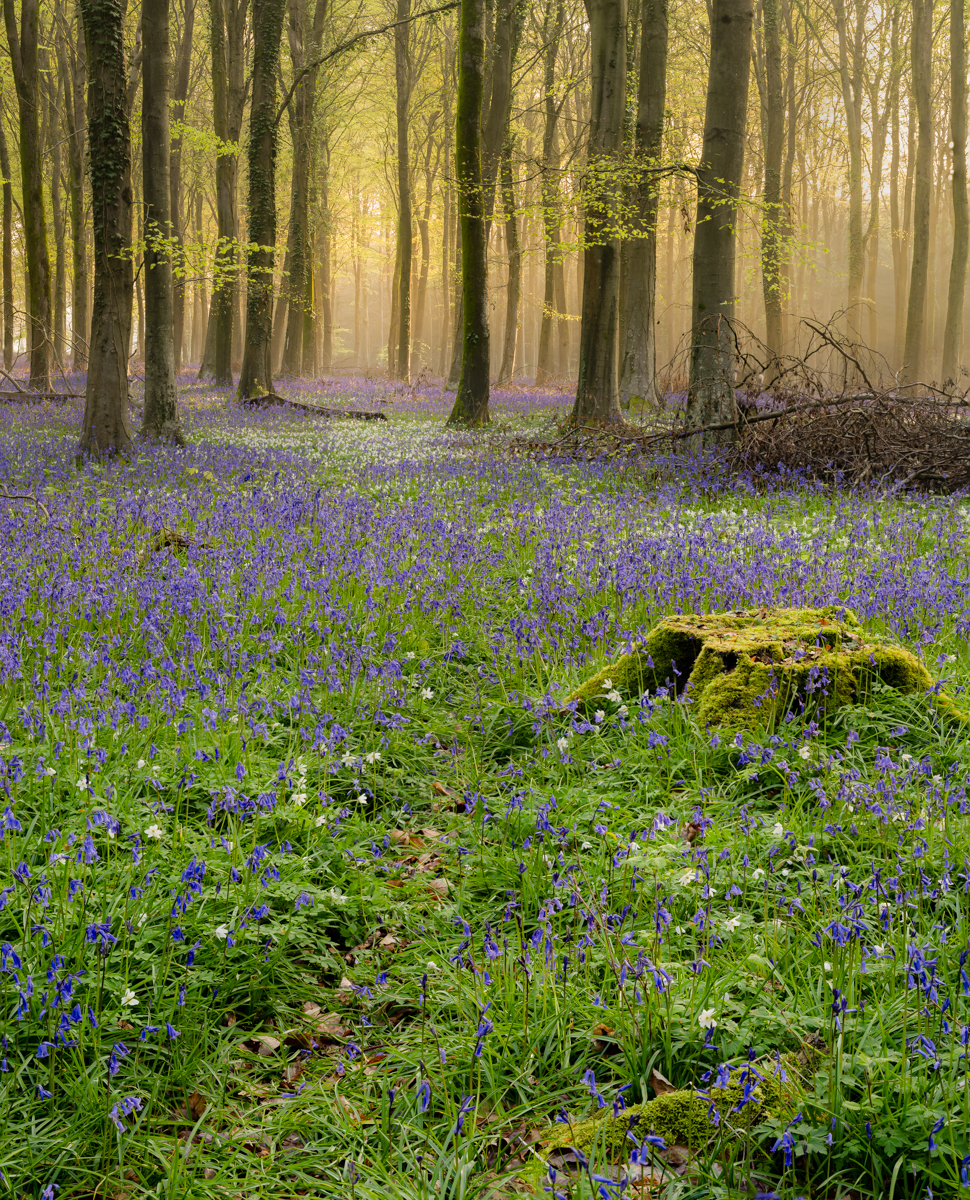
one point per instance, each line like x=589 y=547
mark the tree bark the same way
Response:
x=953 y=333
x=638 y=361
x=552 y=32
x=106 y=429
x=180 y=92
x=851 y=67
x=23 y=48
x=772 y=245
x=922 y=52
x=227 y=43
x=710 y=395
x=471 y=403
x=597 y=393
x=7 y=250
x=161 y=419
x=506 y=371
x=255 y=378
x=400 y=367
x=73 y=72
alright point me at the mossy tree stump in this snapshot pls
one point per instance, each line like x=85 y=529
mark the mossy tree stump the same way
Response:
x=747 y=669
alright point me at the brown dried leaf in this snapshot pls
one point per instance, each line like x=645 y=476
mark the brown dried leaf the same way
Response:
x=197 y=1104
x=311 y=1009
x=266 y=1045
x=660 y=1083
x=440 y=887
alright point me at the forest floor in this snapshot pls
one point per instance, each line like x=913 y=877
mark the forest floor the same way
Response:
x=311 y=886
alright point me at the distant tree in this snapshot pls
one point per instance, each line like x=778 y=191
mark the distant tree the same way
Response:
x=106 y=429
x=7 y=250
x=953 y=333
x=922 y=60
x=710 y=395
x=23 y=45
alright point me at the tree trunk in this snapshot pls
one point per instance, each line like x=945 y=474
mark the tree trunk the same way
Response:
x=772 y=245
x=953 y=334
x=180 y=92
x=73 y=75
x=506 y=371
x=597 y=394
x=851 y=65
x=255 y=378
x=710 y=396
x=7 y=250
x=23 y=49
x=227 y=43
x=401 y=351
x=446 y=216
x=106 y=428
x=57 y=213
x=552 y=32
x=638 y=350
x=471 y=403
x=922 y=52
x=495 y=120
x=161 y=418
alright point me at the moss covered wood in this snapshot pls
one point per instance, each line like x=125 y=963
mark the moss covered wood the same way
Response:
x=746 y=669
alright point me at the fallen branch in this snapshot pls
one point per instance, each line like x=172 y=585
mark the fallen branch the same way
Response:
x=5 y=495
x=39 y=397
x=352 y=414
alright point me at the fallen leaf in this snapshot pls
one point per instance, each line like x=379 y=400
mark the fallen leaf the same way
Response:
x=197 y=1104
x=389 y=942
x=660 y=1083
x=311 y=1009
x=267 y=1045
x=441 y=887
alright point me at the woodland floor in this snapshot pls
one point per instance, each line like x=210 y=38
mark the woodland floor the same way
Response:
x=311 y=887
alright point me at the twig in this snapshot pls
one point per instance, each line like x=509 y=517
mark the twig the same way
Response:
x=5 y=495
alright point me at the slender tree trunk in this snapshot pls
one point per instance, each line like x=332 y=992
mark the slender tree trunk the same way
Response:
x=638 y=350
x=161 y=418
x=710 y=396
x=922 y=52
x=552 y=32
x=73 y=74
x=23 y=48
x=400 y=352
x=471 y=403
x=506 y=371
x=326 y=288
x=953 y=333
x=57 y=213
x=106 y=428
x=7 y=250
x=851 y=59
x=772 y=246
x=597 y=394
x=180 y=92
x=255 y=378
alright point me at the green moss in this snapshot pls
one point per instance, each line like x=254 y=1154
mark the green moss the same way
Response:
x=746 y=669
x=683 y=1117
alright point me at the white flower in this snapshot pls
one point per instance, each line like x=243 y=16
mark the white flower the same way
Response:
x=607 y=685
x=49 y=772
x=372 y=756
x=827 y=966
x=142 y=919
x=409 y=655
x=907 y=758
x=877 y=949
x=586 y=846
x=678 y=929
x=82 y=785
x=222 y=932
x=562 y=744
x=686 y=878
x=937 y=779
x=757 y=873
x=129 y=999
x=154 y=832
x=732 y=923
x=622 y=711
x=362 y=798
x=349 y=760
x=804 y=752
x=320 y=820
x=141 y=764
x=614 y=696
x=299 y=799
x=426 y=693
x=707 y=1020
x=432 y=965
x=599 y=716
x=778 y=830
x=230 y=846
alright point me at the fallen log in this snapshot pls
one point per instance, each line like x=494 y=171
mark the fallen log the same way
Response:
x=350 y=414
x=39 y=397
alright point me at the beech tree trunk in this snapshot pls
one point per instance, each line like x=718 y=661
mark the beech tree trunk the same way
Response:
x=161 y=418
x=6 y=255
x=255 y=378
x=552 y=32
x=74 y=120
x=180 y=92
x=953 y=333
x=506 y=371
x=851 y=69
x=227 y=26
x=399 y=368
x=773 y=218
x=106 y=429
x=23 y=48
x=922 y=52
x=597 y=393
x=710 y=395
x=638 y=351
x=324 y=293
x=471 y=403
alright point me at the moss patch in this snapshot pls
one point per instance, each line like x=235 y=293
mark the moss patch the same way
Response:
x=746 y=669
